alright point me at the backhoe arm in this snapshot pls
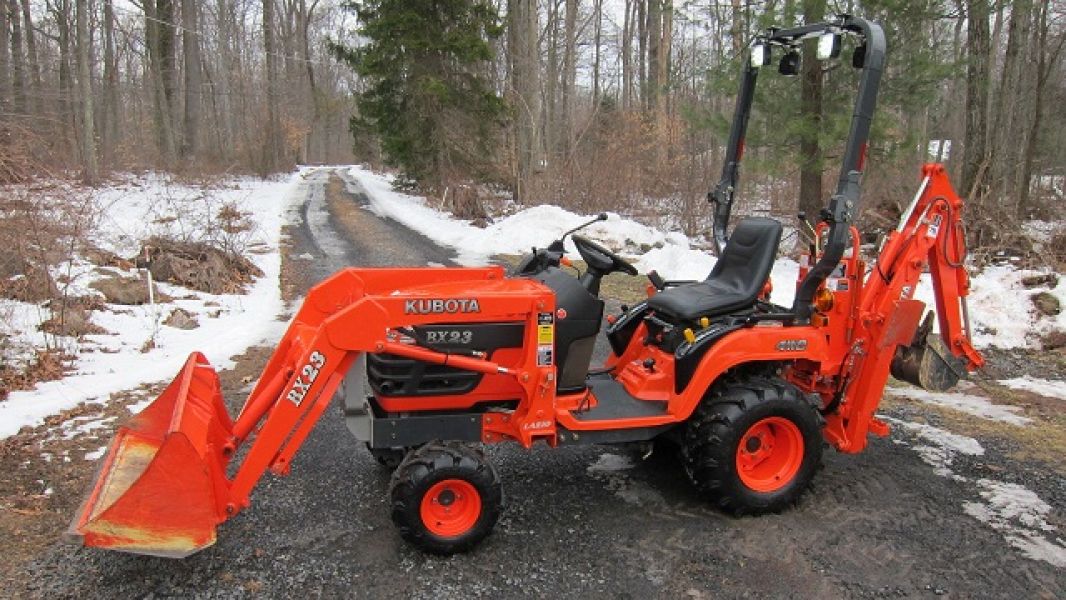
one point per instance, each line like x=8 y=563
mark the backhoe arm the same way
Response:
x=929 y=236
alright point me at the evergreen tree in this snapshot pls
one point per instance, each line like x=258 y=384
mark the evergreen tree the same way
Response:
x=427 y=97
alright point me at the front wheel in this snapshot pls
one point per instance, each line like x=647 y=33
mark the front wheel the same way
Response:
x=753 y=445
x=446 y=497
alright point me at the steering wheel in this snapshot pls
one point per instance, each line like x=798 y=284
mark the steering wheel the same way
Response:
x=601 y=259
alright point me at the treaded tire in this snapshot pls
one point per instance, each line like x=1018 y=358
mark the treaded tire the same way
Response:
x=426 y=469
x=390 y=458
x=715 y=431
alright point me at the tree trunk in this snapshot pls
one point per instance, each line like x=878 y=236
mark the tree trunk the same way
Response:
x=975 y=147
x=552 y=82
x=226 y=72
x=627 y=56
x=566 y=118
x=159 y=39
x=31 y=54
x=304 y=15
x=653 y=31
x=1043 y=71
x=18 y=73
x=642 y=53
x=665 y=44
x=525 y=83
x=90 y=169
x=5 y=60
x=811 y=198
x=190 y=139
x=1010 y=137
x=66 y=89
x=598 y=10
x=109 y=131
x=272 y=149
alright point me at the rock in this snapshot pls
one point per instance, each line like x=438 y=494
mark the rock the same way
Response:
x=105 y=258
x=180 y=318
x=1048 y=279
x=1047 y=304
x=73 y=322
x=1054 y=340
x=126 y=290
x=33 y=284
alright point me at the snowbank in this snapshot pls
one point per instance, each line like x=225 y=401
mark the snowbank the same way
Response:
x=1000 y=309
x=133 y=210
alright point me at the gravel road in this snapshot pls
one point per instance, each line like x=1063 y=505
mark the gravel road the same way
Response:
x=580 y=522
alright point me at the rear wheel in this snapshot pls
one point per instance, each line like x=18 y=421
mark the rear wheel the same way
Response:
x=446 y=497
x=753 y=445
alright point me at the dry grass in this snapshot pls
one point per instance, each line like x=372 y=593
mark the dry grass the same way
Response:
x=1042 y=441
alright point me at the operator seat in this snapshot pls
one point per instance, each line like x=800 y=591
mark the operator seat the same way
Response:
x=734 y=282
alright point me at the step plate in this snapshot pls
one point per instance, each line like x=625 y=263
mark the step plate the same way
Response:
x=614 y=402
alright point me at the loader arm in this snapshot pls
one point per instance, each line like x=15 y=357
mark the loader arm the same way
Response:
x=163 y=487
x=930 y=237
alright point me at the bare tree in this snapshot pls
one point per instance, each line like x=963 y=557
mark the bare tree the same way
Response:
x=810 y=190
x=18 y=78
x=272 y=147
x=190 y=139
x=90 y=168
x=5 y=59
x=653 y=31
x=109 y=129
x=159 y=39
x=31 y=51
x=566 y=117
x=525 y=84
x=975 y=146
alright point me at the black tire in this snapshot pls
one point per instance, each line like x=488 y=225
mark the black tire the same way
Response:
x=390 y=458
x=711 y=452
x=439 y=464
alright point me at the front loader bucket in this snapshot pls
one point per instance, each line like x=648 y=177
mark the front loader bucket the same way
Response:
x=161 y=489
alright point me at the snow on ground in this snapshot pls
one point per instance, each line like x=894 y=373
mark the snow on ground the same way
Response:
x=1043 y=387
x=939 y=447
x=1019 y=515
x=1000 y=309
x=609 y=463
x=1015 y=511
x=978 y=406
x=132 y=210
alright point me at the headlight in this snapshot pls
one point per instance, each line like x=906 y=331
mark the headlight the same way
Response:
x=760 y=55
x=828 y=46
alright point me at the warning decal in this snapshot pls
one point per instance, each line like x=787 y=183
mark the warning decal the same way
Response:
x=545 y=328
x=544 y=355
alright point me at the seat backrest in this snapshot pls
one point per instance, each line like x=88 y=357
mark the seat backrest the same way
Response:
x=748 y=256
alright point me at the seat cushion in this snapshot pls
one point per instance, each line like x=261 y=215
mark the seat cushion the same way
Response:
x=704 y=299
x=736 y=279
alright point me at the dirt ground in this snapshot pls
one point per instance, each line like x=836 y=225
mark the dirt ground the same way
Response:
x=579 y=521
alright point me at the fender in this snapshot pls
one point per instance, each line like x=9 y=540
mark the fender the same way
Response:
x=752 y=344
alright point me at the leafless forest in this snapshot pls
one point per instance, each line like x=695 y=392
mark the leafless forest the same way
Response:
x=609 y=103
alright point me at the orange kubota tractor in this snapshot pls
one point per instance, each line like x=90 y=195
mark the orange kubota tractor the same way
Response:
x=748 y=391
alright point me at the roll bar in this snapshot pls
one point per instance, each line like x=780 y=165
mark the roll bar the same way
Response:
x=844 y=204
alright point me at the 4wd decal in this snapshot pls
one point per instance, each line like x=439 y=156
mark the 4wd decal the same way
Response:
x=441 y=305
x=308 y=375
x=791 y=345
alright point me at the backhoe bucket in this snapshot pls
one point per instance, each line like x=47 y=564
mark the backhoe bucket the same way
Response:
x=161 y=489
x=927 y=362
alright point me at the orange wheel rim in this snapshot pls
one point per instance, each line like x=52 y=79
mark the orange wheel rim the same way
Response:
x=770 y=454
x=451 y=507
